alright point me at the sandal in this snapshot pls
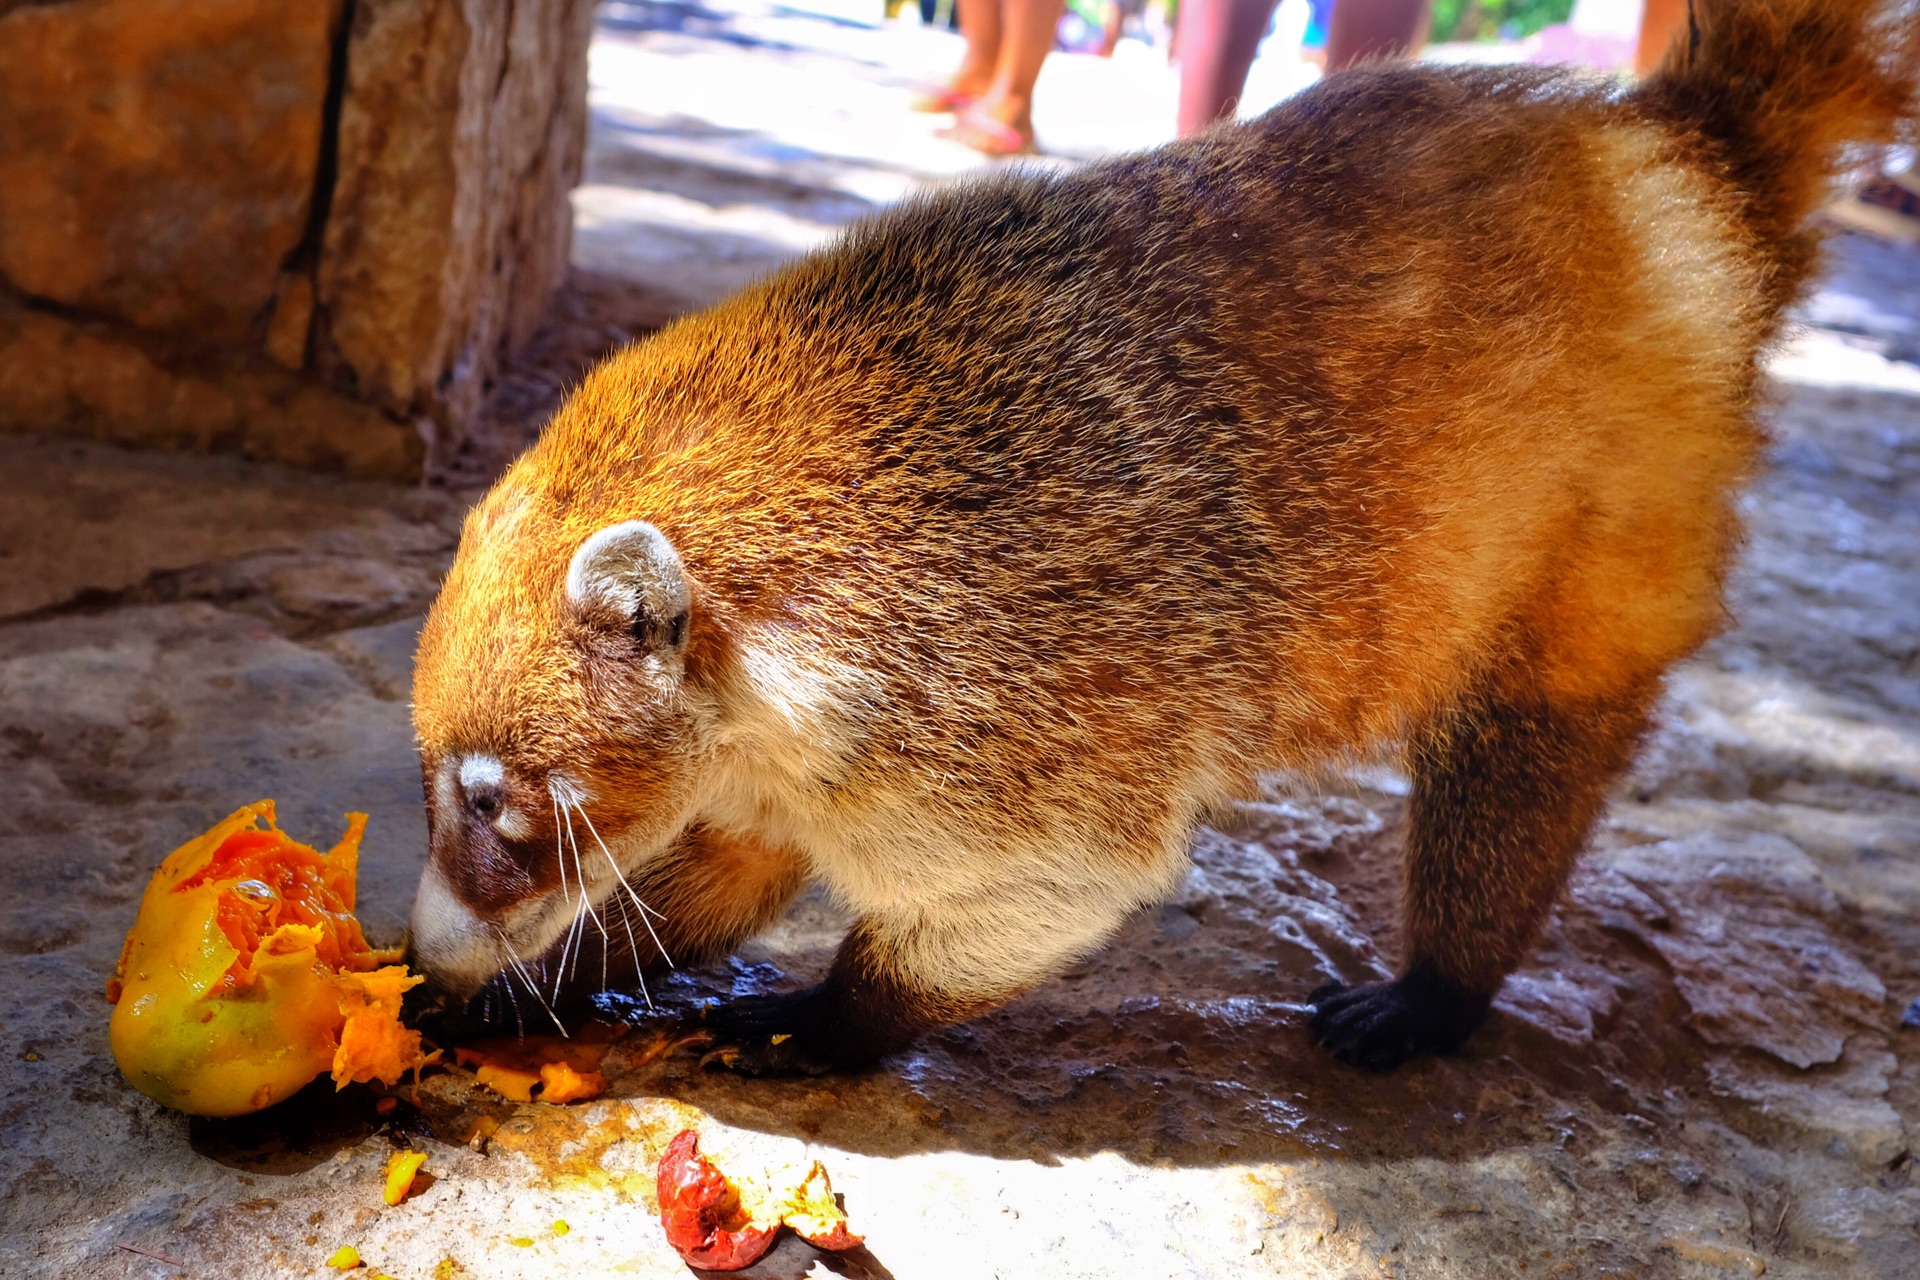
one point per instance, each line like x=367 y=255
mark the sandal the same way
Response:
x=940 y=102
x=990 y=137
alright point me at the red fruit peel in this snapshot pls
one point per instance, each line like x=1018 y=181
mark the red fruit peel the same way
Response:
x=722 y=1224
x=701 y=1210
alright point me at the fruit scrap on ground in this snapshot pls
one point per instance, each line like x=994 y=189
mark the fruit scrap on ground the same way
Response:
x=543 y=1067
x=402 y=1166
x=724 y=1224
x=245 y=974
x=803 y=1198
x=700 y=1208
x=561 y=1083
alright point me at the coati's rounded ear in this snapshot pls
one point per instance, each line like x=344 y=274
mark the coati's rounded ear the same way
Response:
x=628 y=576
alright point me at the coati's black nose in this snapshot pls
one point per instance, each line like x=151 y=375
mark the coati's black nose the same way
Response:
x=484 y=800
x=476 y=784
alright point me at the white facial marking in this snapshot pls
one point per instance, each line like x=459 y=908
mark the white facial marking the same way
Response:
x=565 y=790
x=481 y=770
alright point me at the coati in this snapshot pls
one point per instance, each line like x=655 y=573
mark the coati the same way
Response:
x=966 y=565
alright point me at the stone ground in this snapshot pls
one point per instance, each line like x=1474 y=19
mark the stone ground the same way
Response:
x=1701 y=1073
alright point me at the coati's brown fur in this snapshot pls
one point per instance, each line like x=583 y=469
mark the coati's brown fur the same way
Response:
x=966 y=565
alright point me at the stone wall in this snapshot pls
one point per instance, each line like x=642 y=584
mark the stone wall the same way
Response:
x=310 y=230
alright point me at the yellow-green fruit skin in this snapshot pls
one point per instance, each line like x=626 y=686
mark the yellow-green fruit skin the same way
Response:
x=190 y=1039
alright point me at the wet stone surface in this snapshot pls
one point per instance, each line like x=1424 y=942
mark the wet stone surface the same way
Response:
x=1708 y=1067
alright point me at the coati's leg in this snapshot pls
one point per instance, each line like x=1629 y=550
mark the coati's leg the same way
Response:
x=1505 y=790
x=893 y=980
x=867 y=1008
x=705 y=896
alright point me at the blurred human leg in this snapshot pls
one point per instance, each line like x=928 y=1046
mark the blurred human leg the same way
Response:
x=1001 y=122
x=1217 y=41
x=1112 y=26
x=981 y=26
x=1219 y=38
x=1365 y=29
x=1660 y=22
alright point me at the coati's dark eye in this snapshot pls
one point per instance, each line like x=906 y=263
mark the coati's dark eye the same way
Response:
x=484 y=802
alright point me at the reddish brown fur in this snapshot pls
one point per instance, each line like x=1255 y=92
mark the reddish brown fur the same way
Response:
x=1042 y=514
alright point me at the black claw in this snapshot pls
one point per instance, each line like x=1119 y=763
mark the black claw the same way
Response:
x=1326 y=991
x=1379 y=1025
x=767 y=1036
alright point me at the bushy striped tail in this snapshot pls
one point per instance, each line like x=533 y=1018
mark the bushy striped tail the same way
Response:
x=1786 y=94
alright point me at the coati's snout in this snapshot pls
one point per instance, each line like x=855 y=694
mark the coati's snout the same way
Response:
x=484 y=882
x=555 y=734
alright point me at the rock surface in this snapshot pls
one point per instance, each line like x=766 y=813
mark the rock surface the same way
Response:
x=460 y=135
x=75 y=377
x=310 y=231
x=1701 y=1071
x=160 y=154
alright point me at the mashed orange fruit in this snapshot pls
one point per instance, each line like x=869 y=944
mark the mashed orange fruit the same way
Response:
x=246 y=975
x=545 y=1067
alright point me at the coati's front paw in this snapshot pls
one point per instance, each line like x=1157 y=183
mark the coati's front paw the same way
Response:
x=784 y=1035
x=1379 y=1025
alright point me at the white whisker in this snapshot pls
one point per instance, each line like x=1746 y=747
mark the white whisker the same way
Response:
x=519 y=966
x=575 y=926
x=574 y=934
x=621 y=876
x=580 y=876
x=519 y=1023
x=626 y=923
x=559 y=854
x=568 y=941
x=633 y=948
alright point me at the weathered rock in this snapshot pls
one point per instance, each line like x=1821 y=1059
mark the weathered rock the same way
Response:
x=1869 y=1229
x=89 y=378
x=160 y=155
x=347 y=589
x=221 y=197
x=1846 y=1104
x=1158 y=1110
x=1567 y=1006
x=1255 y=879
x=460 y=136
x=1744 y=924
x=99 y=523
